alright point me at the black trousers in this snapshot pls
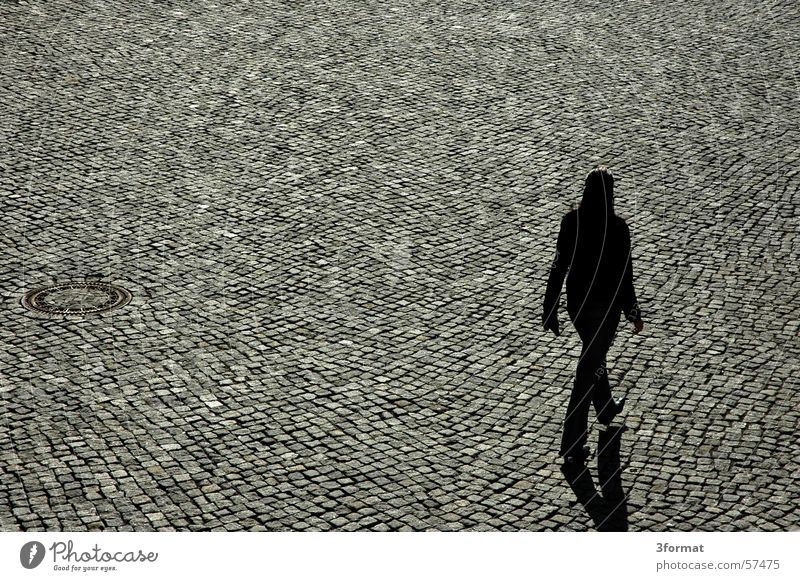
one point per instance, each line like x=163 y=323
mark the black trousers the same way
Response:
x=596 y=327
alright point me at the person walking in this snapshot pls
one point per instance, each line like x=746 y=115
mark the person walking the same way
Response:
x=593 y=252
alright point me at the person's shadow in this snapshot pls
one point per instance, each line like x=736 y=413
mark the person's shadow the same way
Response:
x=609 y=510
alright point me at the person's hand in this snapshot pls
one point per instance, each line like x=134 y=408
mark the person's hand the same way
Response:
x=638 y=326
x=551 y=323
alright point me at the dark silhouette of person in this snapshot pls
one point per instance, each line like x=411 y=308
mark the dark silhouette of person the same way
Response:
x=594 y=253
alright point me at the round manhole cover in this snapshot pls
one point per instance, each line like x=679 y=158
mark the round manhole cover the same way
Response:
x=76 y=298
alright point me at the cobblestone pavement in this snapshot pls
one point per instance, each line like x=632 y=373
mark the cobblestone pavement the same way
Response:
x=336 y=220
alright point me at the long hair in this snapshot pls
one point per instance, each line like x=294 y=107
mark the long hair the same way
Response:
x=596 y=210
x=598 y=192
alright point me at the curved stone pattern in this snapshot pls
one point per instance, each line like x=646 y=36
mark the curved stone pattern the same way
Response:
x=338 y=219
x=76 y=298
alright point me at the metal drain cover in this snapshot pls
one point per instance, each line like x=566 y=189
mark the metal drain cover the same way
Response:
x=76 y=298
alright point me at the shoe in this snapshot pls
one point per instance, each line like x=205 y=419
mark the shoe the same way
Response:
x=577 y=457
x=619 y=404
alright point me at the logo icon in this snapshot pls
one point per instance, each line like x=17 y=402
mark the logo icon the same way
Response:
x=31 y=554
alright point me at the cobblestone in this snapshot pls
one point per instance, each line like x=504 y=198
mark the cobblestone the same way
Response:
x=336 y=221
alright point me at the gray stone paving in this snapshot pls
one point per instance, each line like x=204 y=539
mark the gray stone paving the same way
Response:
x=336 y=220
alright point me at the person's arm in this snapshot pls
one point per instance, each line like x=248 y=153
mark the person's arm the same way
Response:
x=630 y=306
x=558 y=270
